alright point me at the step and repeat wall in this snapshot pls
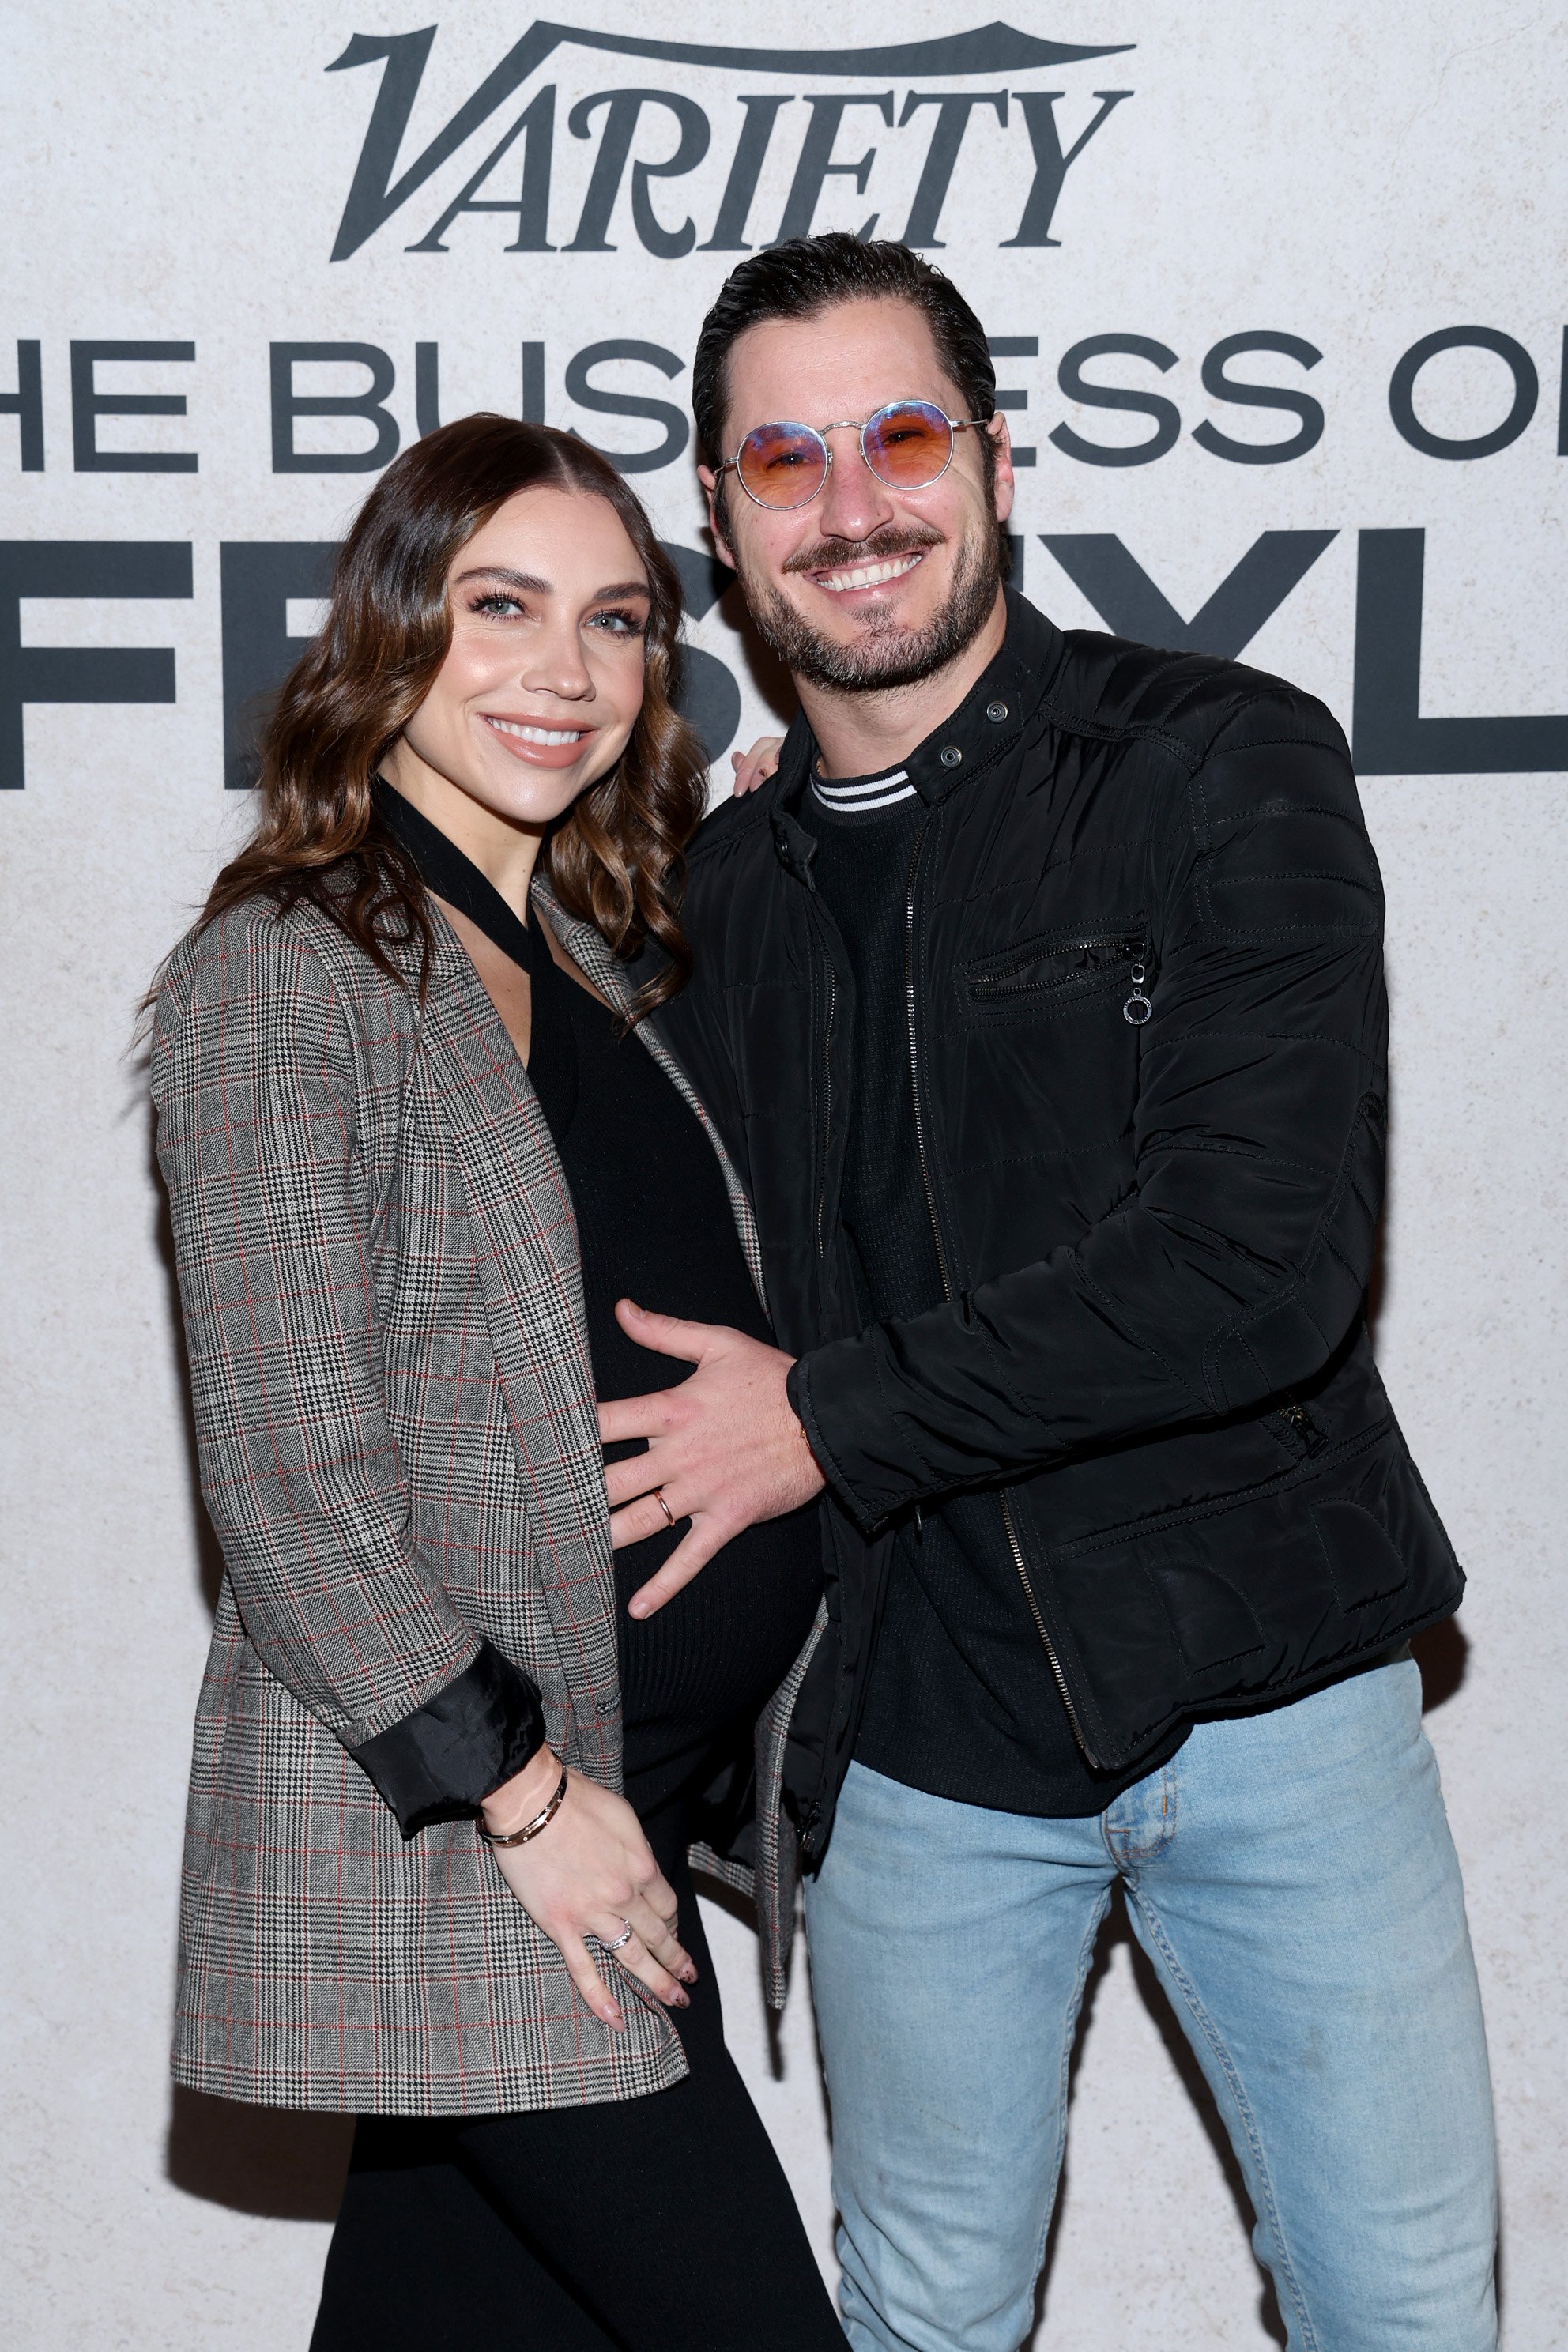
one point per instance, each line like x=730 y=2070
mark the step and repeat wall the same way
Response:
x=1277 y=303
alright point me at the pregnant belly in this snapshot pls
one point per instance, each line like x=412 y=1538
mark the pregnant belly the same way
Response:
x=719 y=1649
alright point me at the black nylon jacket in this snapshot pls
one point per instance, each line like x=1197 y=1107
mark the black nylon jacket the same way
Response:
x=1155 y=1235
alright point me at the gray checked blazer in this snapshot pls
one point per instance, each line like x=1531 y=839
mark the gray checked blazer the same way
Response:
x=396 y=1421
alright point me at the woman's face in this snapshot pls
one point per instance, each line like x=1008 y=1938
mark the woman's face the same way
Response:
x=543 y=680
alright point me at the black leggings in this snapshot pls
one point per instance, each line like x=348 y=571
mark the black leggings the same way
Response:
x=641 y=2225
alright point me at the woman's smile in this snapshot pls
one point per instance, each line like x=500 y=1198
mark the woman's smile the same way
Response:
x=535 y=740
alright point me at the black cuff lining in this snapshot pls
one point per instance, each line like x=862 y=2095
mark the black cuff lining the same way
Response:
x=440 y=1762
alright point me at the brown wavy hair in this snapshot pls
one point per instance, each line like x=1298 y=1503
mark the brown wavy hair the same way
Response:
x=616 y=857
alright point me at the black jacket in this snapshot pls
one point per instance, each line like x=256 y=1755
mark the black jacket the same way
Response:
x=1155 y=1234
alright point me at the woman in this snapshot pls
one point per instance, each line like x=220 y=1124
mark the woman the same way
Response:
x=420 y=1134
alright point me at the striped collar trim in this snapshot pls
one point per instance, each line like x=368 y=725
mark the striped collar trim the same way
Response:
x=862 y=794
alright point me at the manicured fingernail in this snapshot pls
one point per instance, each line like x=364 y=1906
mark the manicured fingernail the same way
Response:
x=615 y=2020
x=688 y=1975
x=680 y=2001
x=637 y=1608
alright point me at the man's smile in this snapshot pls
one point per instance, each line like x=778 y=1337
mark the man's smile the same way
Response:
x=867 y=575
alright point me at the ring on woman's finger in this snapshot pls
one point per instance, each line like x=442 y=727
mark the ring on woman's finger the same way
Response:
x=625 y=1938
x=664 y=1506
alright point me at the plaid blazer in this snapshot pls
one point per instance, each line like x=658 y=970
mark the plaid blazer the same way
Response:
x=399 y=1452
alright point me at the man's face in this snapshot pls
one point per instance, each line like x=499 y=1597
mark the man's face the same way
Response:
x=868 y=586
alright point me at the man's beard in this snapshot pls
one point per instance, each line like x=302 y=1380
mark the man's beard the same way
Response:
x=884 y=654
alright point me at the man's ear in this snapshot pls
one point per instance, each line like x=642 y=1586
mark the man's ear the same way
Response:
x=710 y=481
x=1002 y=442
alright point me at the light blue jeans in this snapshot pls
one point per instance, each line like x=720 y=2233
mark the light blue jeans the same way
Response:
x=1293 y=1879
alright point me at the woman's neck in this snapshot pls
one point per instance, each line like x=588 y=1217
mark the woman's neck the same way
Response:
x=504 y=853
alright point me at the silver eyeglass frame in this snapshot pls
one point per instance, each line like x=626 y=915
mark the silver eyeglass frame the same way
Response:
x=818 y=433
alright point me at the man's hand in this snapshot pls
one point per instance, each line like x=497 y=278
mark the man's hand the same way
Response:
x=724 y=1448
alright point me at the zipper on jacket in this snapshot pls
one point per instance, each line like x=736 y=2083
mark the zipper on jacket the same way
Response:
x=1304 y=1431
x=998 y=983
x=826 y=1106
x=914 y=1058
x=1045 y=1644
x=1016 y=1549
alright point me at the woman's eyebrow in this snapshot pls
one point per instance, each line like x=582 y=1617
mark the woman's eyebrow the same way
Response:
x=523 y=580
x=531 y=585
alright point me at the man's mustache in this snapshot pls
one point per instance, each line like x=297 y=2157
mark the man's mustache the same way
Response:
x=833 y=554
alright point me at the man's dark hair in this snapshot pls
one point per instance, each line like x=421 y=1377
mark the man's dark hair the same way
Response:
x=808 y=274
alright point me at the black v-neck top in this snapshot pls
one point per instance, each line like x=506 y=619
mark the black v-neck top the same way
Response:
x=654 y=1225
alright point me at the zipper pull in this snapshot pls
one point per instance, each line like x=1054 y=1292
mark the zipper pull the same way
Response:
x=1138 y=1008
x=1297 y=1418
x=920 y=1524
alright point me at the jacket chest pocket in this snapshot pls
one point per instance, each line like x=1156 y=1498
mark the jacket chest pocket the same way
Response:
x=1036 y=979
x=1042 y=1059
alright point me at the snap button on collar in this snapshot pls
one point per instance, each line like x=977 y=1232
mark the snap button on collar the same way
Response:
x=950 y=755
x=996 y=712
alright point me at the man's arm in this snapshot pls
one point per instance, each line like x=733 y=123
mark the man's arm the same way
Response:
x=1239 y=1262
x=1239 y=1259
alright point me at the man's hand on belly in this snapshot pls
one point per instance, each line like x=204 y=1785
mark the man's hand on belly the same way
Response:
x=724 y=1449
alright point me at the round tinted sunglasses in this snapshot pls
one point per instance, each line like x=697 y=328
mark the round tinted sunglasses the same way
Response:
x=908 y=445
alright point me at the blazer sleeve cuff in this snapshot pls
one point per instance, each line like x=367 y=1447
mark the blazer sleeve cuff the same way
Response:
x=440 y=1762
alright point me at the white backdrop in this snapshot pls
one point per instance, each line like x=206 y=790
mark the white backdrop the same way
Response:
x=1341 y=181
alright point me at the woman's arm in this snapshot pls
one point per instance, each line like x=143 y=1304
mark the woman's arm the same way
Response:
x=255 y=1081
x=257 y=1099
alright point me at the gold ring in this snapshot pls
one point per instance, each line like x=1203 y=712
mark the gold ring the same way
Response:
x=664 y=1506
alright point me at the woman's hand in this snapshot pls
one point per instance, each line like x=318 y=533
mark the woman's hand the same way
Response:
x=755 y=767
x=590 y=1872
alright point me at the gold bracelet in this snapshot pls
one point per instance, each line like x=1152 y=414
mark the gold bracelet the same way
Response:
x=530 y=1829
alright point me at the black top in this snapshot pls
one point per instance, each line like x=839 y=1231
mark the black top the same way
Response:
x=654 y=1225
x=957 y=1703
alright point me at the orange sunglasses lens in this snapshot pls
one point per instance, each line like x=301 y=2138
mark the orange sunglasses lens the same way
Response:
x=782 y=465
x=909 y=445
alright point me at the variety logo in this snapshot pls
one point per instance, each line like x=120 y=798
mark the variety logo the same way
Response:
x=513 y=164
x=755 y=143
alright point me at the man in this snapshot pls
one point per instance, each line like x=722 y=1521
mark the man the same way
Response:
x=1040 y=997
